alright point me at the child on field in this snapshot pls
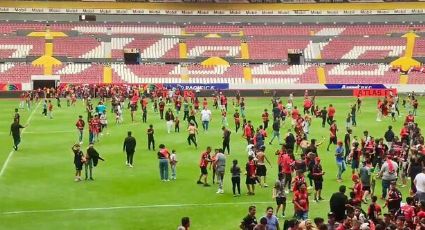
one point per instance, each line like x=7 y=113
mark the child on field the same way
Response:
x=173 y=164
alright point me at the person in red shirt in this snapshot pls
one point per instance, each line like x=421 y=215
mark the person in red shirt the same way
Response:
x=205 y=103
x=287 y=162
x=404 y=134
x=294 y=114
x=409 y=118
x=380 y=107
x=374 y=210
x=299 y=180
x=331 y=114
x=265 y=118
x=358 y=188
x=251 y=178
x=301 y=203
x=80 y=126
x=161 y=108
x=307 y=105
x=205 y=160
x=332 y=134
x=248 y=134
x=408 y=210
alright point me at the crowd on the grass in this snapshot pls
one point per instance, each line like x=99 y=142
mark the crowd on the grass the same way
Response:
x=390 y=158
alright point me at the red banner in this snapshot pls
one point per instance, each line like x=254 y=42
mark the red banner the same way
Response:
x=373 y=92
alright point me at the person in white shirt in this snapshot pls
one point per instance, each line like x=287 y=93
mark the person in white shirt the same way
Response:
x=419 y=182
x=250 y=150
x=205 y=118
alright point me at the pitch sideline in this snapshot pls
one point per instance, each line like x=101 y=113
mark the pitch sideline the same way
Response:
x=3 y=168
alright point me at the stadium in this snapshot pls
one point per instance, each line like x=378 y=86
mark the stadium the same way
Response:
x=300 y=93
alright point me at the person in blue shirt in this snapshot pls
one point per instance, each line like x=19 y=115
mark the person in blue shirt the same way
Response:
x=272 y=221
x=100 y=108
x=339 y=155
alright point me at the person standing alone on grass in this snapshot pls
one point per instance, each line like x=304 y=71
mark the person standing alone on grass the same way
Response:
x=129 y=147
x=163 y=156
x=192 y=134
x=236 y=178
x=331 y=114
x=226 y=140
x=205 y=118
x=205 y=160
x=323 y=115
x=80 y=127
x=151 y=139
x=15 y=131
x=78 y=161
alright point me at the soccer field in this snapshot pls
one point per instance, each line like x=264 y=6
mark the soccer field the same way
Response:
x=37 y=188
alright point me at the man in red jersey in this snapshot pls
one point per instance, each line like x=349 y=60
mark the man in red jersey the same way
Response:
x=251 y=175
x=358 y=188
x=331 y=114
x=294 y=114
x=332 y=134
x=80 y=127
x=247 y=132
x=265 y=117
x=237 y=118
x=301 y=203
x=205 y=160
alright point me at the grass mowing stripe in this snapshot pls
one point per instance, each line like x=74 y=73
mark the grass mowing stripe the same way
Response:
x=3 y=168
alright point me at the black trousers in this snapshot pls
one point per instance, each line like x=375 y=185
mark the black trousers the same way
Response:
x=236 y=183
x=323 y=121
x=237 y=126
x=130 y=157
x=151 y=141
x=226 y=145
x=330 y=119
x=192 y=139
x=144 y=117
x=192 y=118
x=16 y=140
x=186 y=115
x=161 y=114
x=265 y=124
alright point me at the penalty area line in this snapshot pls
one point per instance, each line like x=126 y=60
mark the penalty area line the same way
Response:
x=133 y=207
x=3 y=168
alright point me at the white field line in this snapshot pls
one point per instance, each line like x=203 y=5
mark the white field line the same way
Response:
x=3 y=168
x=134 y=207
x=142 y=207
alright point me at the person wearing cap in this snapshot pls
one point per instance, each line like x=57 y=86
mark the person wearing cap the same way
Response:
x=394 y=198
x=78 y=161
x=388 y=173
x=318 y=179
x=192 y=134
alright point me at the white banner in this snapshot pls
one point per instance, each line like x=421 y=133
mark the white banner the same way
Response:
x=209 y=12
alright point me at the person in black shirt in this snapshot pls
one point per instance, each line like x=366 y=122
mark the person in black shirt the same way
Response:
x=389 y=136
x=290 y=141
x=226 y=140
x=151 y=139
x=17 y=116
x=323 y=114
x=338 y=203
x=353 y=116
x=347 y=143
x=129 y=147
x=78 y=161
x=249 y=222
x=15 y=131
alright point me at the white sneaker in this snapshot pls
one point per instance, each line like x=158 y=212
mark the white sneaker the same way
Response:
x=286 y=191
x=218 y=191
x=126 y=163
x=221 y=191
x=131 y=166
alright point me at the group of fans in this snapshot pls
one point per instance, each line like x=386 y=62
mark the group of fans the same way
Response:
x=391 y=157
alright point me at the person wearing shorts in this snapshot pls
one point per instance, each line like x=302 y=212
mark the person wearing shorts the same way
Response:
x=279 y=194
x=251 y=178
x=205 y=160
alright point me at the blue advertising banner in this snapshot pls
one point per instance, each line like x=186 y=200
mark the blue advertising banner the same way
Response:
x=194 y=86
x=355 y=86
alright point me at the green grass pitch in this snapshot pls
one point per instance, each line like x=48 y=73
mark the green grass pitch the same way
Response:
x=39 y=177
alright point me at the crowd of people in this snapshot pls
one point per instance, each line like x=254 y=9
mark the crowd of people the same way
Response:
x=391 y=158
